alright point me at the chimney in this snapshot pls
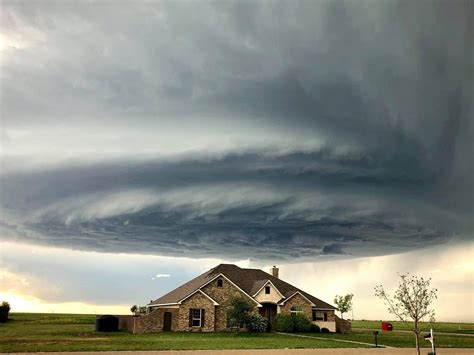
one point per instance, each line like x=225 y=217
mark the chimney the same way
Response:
x=275 y=271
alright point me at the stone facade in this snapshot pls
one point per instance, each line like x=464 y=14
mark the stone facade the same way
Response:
x=214 y=301
x=198 y=300
x=343 y=326
x=153 y=321
x=300 y=301
x=223 y=295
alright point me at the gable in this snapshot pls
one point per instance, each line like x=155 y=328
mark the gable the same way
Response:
x=298 y=297
x=199 y=297
x=229 y=290
x=273 y=296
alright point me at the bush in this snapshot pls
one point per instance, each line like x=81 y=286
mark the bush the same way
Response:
x=256 y=323
x=238 y=312
x=315 y=328
x=324 y=330
x=284 y=323
x=4 y=310
x=301 y=323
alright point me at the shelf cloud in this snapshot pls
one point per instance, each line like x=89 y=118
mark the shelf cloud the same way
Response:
x=342 y=129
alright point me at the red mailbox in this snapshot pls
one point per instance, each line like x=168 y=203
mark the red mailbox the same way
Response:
x=386 y=326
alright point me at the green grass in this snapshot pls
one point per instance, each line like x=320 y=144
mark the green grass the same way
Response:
x=444 y=327
x=401 y=339
x=30 y=332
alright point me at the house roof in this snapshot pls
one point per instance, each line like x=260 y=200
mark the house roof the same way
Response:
x=249 y=280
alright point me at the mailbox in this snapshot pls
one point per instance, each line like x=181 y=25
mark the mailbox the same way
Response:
x=386 y=326
x=375 y=333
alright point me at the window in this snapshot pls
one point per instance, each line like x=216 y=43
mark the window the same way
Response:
x=220 y=283
x=295 y=310
x=267 y=290
x=321 y=316
x=196 y=317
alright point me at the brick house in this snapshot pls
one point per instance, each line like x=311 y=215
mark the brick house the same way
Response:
x=202 y=303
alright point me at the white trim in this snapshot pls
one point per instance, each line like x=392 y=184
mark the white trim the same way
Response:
x=193 y=318
x=162 y=304
x=225 y=277
x=265 y=284
x=306 y=298
x=199 y=290
x=324 y=309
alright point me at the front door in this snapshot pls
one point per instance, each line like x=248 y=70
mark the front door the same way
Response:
x=167 y=322
x=269 y=311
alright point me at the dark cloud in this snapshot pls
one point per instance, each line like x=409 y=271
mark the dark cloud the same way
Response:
x=249 y=205
x=269 y=130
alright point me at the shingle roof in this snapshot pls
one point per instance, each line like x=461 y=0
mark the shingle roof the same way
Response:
x=249 y=280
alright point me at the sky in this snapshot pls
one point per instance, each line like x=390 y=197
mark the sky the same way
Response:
x=144 y=142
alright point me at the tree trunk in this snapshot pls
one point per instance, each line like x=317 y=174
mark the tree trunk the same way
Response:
x=417 y=342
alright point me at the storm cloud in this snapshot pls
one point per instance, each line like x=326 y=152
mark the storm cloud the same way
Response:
x=237 y=129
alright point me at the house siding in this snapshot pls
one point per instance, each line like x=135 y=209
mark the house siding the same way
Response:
x=198 y=300
x=273 y=297
x=223 y=295
x=298 y=300
x=153 y=322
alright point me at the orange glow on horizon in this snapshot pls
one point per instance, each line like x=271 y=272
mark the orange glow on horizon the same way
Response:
x=30 y=304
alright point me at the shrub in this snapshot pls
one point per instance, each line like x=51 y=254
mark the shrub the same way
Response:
x=301 y=323
x=256 y=323
x=284 y=323
x=315 y=328
x=238 y=312
x=324 y=330
x=4 y=310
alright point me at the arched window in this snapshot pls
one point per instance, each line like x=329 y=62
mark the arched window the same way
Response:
x=219 y=283
x=267 y=290
x=296 y=309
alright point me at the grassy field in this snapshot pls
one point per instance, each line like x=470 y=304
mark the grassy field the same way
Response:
x=401 y=339
x=27 y=332
x=443 y=327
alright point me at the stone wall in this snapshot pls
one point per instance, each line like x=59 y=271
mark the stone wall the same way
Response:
x=300 y=301
x=223 y=295
x=198 y=300
x=343 y=326
x=153 y=321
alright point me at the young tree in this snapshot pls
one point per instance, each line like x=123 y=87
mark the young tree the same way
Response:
x=238 y=312
x=410 y=302
x=343 y=303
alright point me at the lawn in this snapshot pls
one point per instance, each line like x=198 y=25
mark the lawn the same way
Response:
x=27 y=332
